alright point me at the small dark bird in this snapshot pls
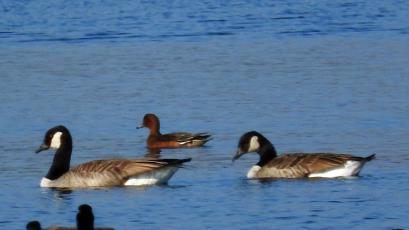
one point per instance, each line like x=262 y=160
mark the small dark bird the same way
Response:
x=85 y=218
x=33 y=225
x=85 y=221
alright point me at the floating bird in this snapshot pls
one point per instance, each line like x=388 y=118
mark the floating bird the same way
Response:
x=85 y=217
x=85 y=221
x=171 y=140
x=33 y=225
x=101 y=173
x=298 y=165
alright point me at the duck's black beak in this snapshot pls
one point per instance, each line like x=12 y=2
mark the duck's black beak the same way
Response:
x=140 y=127
x=42 y=148
x=239 y=153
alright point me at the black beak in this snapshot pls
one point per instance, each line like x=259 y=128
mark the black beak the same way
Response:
x=42 y=148
x=140 y=127
x=239 y=153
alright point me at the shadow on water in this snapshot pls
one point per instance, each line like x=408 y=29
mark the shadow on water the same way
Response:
x=58 y=193
x=167 y=186
x=153 y=153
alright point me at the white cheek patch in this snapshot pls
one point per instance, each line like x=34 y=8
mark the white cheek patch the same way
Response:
x=56 y=141
x=254 y=144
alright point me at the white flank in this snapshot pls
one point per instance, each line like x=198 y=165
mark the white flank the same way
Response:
x=56 y=141
x=184 y=142
x=45 y=182
x=254 y=145
x=141 y=181
x=159 y=176
x=253 y=171
x=350 y=168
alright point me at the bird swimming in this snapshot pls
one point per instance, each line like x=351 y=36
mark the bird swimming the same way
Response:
x=297 y=165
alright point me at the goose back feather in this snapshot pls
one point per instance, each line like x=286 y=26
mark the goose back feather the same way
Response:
x=114 y=172
x=299 y=165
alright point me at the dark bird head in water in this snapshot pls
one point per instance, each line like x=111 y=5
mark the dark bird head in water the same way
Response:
x=85 y=217
x=33 y=225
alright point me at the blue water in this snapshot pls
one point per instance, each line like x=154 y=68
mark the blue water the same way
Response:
x=311 y=76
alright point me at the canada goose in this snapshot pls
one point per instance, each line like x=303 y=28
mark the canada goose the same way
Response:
x=171 y=140
x=298 y=165
x=101 y=173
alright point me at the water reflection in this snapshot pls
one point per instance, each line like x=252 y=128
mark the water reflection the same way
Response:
x=153 y=153
x=57 y=193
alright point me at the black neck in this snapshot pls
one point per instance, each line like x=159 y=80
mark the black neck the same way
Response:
x=62 y=158
x=85 y=221
x=86 y=224
x=266 y=151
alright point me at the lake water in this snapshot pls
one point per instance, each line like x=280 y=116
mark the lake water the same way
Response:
x=312 y=76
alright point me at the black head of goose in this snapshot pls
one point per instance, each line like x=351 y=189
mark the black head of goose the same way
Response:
x=85 y=221
x=101 y=173
x=33 y=225
x=297 y=165
x=85 y=217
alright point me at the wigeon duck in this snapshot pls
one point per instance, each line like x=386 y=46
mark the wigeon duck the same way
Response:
x=170 y=140
x=298 y=165
x=101 y=173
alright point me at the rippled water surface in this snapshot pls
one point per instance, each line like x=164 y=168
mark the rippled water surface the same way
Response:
x=313 y=76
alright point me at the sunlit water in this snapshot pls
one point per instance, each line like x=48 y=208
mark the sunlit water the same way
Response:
x=324 y=76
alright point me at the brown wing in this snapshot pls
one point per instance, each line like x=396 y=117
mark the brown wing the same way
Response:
x=101 y=173
x=301 y=164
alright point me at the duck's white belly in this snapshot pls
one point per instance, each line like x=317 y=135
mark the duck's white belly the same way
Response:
x=160 y=176
x=350 y=168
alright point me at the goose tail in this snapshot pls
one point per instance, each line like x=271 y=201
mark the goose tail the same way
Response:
x=176 y=161
x=370 y=157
